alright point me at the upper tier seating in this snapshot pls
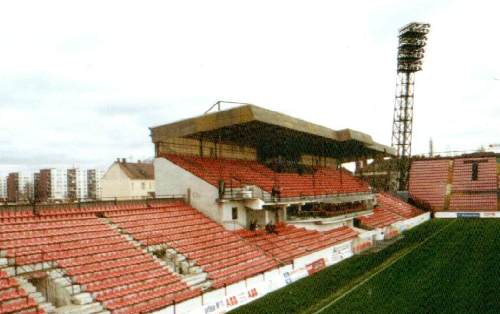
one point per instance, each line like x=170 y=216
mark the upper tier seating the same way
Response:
x=223 y=255
x=462 y=175
x=235 y=173
x=428 y=180
x=289 y=242
x=397 y=206
x=13 y=299
x=119 y=275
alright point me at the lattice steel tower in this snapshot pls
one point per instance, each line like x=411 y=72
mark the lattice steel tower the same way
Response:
x=412 y=41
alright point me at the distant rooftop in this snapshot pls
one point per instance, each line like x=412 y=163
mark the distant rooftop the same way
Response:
x=137 y=170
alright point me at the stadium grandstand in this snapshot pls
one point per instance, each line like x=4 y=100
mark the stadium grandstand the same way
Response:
x=456 y=184
x=258 y=200
x=251 y=165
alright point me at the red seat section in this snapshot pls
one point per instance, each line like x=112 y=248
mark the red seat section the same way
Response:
x=379 y=219
x=478 y=193
x=289 y=242
x=428 y=180
x=13 y=299
x=397 y=206
x=118 y=274
x=235 y=173
x=486 y=176
x=486 y=201
x=223 y=255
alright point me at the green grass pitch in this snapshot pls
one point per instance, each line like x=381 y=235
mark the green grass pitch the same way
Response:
x=442 y=266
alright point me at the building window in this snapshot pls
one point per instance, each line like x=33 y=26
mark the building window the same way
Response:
x=475 y=171
x=143 y=185
x=234 y=213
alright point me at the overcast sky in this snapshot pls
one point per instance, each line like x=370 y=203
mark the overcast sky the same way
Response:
x=81 y=81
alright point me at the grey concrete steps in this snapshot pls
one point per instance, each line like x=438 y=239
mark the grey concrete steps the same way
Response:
x=36 y=295
x=174 y=262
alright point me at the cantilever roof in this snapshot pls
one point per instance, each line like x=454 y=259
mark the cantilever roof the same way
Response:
x=240 y=122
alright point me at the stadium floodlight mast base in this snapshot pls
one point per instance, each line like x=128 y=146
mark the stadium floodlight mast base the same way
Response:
x=412 y=41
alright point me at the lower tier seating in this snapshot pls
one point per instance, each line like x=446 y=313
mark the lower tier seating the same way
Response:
x=118 y=274
x=379 y=219
x=223 y=255
x=397 y=206
x=481 y=201
x=13 y=299
x=289 y=242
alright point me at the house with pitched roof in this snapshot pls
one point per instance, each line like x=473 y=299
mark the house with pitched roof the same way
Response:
x=128 y=180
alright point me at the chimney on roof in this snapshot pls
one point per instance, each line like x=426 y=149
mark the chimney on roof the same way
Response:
x=138 y=161
x=124 y=160
x=118 y=160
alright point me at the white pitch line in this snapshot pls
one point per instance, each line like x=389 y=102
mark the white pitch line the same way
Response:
x=379 y=271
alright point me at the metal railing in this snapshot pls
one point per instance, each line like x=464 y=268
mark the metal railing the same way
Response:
x=83 y=203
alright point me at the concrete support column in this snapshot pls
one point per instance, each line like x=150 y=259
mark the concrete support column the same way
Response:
x=369 y=204
x=267 y=216
x=284 y=215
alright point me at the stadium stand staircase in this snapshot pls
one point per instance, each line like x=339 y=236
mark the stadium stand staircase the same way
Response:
x=174 y=262
x=19 y=296
x=186 y=233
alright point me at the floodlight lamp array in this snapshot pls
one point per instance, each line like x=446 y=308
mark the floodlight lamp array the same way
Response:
x=412 y=41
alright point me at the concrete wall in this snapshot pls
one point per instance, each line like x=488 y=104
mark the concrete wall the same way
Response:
x=172 y=179
x=227 y=220
x=326 y=227
x=186 y=146
x=141 y=188
x=115 y=183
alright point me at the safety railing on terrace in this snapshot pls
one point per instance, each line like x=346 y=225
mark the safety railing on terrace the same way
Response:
x=82 y=203
x=253 y=192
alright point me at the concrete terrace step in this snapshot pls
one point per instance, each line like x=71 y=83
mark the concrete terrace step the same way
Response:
x=174 y=262
x=36 y=295
x=47 y=307
x=81 y=309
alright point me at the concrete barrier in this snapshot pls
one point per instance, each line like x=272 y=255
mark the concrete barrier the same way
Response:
x=471 y=214
x=191 y=306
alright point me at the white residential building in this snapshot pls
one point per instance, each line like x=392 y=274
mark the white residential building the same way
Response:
x=94 y=183
x=77 y=184
x=58 y=184
x=3 y=187
x=125 y=180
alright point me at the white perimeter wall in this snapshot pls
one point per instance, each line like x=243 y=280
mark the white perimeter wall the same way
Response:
x=472 y=214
